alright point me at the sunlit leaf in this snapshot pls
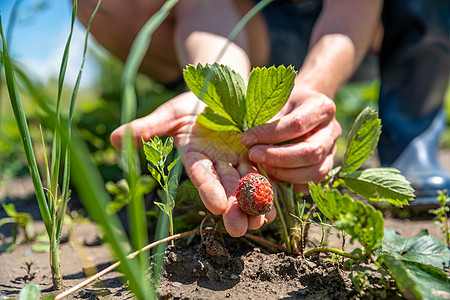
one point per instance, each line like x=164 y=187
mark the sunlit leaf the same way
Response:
x=219 y=87
x=268 y=91
x=361 y=221
x=152 y=153
x=380 y=184
x=216 y=122
x=362 y=140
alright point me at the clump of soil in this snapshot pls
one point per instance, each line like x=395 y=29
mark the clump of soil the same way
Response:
x=234 y=268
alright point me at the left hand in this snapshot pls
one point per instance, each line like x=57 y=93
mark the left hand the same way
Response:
x=307 y=129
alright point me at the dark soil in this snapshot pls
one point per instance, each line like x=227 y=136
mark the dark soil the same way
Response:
x=245 y=271
x=216 y=269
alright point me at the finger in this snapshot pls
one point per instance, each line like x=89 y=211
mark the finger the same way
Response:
x=315 y=173
x=255 y=222
x=309 y=152
x=235 y=220
x=203 y=175
x=301 y=120
x=246 y=167
x=271 y=215
x=229 y=177
x=167 y=117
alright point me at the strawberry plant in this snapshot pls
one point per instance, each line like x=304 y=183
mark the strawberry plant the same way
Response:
x=233 y=107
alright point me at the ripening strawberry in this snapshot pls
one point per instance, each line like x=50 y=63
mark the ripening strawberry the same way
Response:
x=254 y=194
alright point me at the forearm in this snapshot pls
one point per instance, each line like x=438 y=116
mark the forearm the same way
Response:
x=340 y=39
x=201 y=34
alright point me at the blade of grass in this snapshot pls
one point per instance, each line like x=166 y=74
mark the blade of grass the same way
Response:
x=130 y=155
x=66 y=171
x=90 y=186
x=21 y=120
x=241 y=24
x=57 y=147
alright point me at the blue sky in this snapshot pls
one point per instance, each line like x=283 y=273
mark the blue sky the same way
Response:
x=39 y=37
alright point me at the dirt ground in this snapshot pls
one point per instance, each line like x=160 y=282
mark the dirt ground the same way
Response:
x=248 y=271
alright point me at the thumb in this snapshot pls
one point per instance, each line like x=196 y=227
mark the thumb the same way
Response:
x=163 y=121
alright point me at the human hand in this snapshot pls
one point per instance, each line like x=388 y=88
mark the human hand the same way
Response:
x=214 y=161
x=307 y=129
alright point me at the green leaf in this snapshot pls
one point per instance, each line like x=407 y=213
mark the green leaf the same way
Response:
x=172 y=164
x=4 y=221
x=168 y=146
x=119 y=188
x=30 y=291
x=416 y=280
x=380 y=183
x=163 y=207
x=145 y=185
x=10 y=209
x=40 y=247
x=7 y=247
x=267 y=92
x=216 y=122
x=359 y=220
x=362 y=140
x=220 y=88
x=173 y=184
x=152 y=153
x=422 y=248
x=155 y=175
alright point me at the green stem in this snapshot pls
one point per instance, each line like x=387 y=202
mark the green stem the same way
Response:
x=284 y=228
x=54 y=252
x=332 y=250
x=168 y=200
x=55 y=265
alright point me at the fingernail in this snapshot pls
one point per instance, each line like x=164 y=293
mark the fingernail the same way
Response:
x=248 y=139
x=257 y=156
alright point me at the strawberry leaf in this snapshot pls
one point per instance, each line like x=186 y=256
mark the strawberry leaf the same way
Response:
x=221 y=89
x=422 y=248
x=361 y=221
x=380 y=184
x=362 y=140
x=214 y=121
x=416 y=280
x=267 y=92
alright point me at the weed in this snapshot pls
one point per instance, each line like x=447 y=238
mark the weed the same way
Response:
x=27 y=267
x=156 y=153
x=440 y=213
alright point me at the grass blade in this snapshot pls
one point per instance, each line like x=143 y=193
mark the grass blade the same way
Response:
x=21 y=120
x=130 y=156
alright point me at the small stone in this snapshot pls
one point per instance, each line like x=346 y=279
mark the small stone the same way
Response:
x=176 y=284
x=234 y=276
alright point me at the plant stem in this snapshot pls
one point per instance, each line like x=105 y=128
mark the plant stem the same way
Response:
x=55 y=265
x=332 y=250
x=284 y=228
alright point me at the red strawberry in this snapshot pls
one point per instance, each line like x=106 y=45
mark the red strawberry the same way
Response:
x=255 y=194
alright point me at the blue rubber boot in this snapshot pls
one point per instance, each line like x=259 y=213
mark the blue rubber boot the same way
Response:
x=414 y=71
x=420 y=164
